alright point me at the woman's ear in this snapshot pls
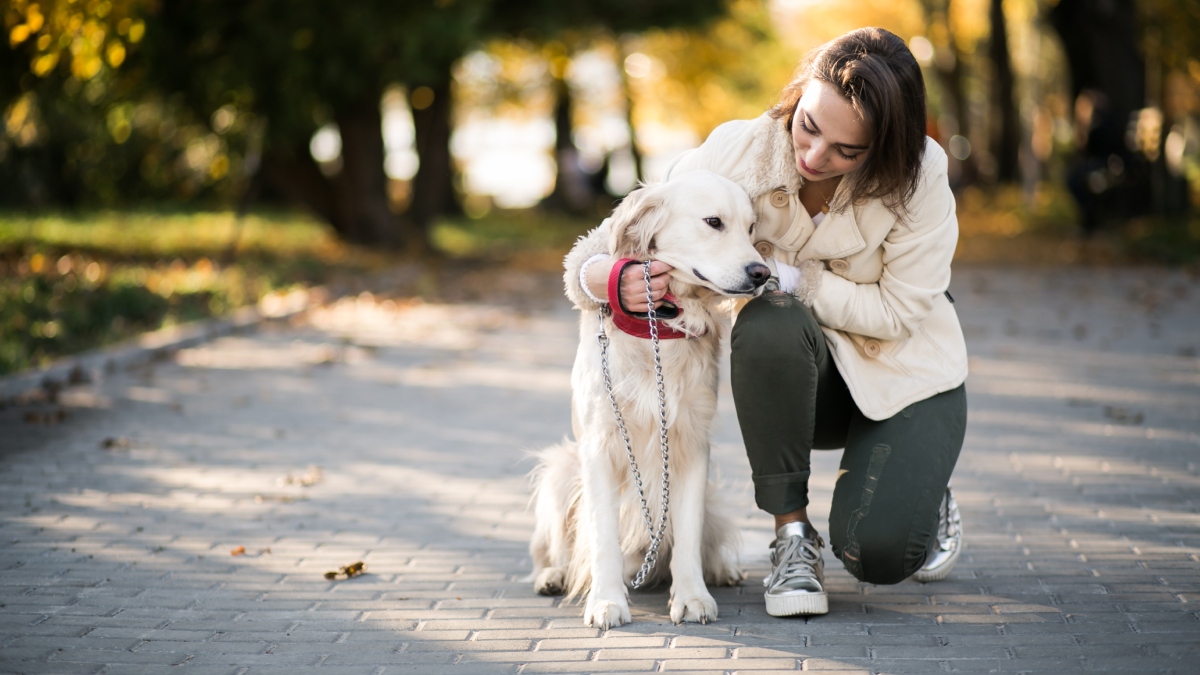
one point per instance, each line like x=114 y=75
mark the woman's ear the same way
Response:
x=636 y=220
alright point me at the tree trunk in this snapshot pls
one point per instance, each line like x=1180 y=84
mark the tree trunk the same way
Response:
x=952 y=73
x=360 y=188
x=627 y=90
x=571 y=192
x=291 y=172
x=1006 y=131
x=433 y=186
x=354 y=201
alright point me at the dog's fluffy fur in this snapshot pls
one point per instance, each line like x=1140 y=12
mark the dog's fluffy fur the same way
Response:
x=590 y=535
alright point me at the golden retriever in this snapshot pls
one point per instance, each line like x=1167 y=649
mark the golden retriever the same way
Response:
x=590 y=535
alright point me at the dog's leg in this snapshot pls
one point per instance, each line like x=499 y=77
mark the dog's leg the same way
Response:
x=690 y=599
x=607 y=602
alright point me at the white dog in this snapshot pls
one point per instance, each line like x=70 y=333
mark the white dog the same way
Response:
x=591 y=535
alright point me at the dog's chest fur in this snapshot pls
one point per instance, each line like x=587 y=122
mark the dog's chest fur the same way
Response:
x=690 y=377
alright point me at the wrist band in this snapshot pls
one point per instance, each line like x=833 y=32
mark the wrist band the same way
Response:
x=583 y=277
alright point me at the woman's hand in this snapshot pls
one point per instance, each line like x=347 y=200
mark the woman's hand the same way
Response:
x=633 y=283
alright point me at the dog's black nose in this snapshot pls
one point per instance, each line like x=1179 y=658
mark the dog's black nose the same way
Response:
x=758 y=273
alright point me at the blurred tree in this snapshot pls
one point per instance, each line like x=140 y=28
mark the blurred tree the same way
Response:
x=1170 y=40
x=1107 y=85
x=950 y=63
x=58 y=71
x=301 y=64
x=566 y=27
x=693 y=77
x=1006 y=127
x=85 y=36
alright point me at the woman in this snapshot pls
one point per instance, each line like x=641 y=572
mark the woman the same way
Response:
x=855 y=344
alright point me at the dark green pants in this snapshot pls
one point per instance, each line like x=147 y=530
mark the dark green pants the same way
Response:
x=791 y=399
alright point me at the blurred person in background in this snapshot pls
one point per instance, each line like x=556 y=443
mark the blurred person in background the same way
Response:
x=855 y=344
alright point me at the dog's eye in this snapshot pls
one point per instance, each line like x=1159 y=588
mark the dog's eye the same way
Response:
x=752 y=228
x=715 y=223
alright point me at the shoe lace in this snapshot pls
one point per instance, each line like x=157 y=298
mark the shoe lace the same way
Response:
x=799 y=558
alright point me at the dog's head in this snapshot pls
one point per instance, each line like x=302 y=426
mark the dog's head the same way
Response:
x=700 y=224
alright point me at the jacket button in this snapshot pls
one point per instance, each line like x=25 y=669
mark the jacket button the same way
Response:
x=764 y=248
x=872 y=348
x=779 y=199
x=839 y=265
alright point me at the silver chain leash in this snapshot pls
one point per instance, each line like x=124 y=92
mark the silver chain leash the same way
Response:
x=656 y=537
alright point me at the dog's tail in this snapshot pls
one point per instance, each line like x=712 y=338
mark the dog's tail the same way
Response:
x=559 y=565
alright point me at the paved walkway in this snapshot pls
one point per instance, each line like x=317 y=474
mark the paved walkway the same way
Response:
x=396 y=435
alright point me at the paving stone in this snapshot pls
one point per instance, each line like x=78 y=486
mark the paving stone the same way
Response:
x=1083 y=529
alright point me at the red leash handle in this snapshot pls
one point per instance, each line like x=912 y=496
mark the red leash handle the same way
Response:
x=638 y=326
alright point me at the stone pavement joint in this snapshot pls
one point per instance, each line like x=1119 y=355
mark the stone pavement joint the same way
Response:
x=238 y=473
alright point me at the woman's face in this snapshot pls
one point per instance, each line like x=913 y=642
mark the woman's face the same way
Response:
x=829 y=137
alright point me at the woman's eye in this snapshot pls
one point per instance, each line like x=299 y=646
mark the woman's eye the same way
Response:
x=715 y=223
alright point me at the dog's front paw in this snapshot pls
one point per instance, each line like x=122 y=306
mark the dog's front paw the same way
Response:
x=695 y=607
x=550 y=581
x=605 y=614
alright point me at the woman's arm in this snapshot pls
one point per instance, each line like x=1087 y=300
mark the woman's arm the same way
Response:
x=593 y=243
x=916 y=267
x=593 y=247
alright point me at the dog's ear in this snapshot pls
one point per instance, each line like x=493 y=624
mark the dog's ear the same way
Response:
x=636 y=220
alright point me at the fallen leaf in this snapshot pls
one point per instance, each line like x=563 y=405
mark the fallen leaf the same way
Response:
x=1123 y=415
x=352 y=570
x=52 y=417
x=241 y=550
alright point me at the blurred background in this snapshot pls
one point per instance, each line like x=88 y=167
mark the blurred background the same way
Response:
x=163 y=161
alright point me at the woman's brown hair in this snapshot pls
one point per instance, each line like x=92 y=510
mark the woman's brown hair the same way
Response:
x=874 y=70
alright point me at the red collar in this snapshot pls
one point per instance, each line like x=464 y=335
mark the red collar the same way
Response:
x=639 y=325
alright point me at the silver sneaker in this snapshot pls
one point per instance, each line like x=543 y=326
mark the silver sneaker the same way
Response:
x=949 y=542
x=797 y=581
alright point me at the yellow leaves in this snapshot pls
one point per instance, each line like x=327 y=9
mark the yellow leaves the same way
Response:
x=21 y=121
x=133 y=29
x=86 y=33
x=34 y=20
x=115 y=54
x=86 y=68
x=19 y=34
x=42 y=65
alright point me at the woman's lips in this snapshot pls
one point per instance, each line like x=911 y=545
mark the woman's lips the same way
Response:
x=805 y=167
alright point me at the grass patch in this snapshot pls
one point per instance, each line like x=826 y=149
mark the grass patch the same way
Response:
x=71 y=282
x=1006 y=226
x=74 y=282
x=525 y=235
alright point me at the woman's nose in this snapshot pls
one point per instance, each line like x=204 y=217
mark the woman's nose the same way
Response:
x=815 y=157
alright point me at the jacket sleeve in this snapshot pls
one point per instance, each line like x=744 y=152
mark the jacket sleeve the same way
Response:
x=595 y=241
x=916 y=267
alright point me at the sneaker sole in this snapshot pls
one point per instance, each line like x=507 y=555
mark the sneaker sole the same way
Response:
x=793 y=605
x=926 y=576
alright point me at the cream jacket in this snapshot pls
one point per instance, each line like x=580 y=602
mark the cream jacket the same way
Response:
x=876 y=286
